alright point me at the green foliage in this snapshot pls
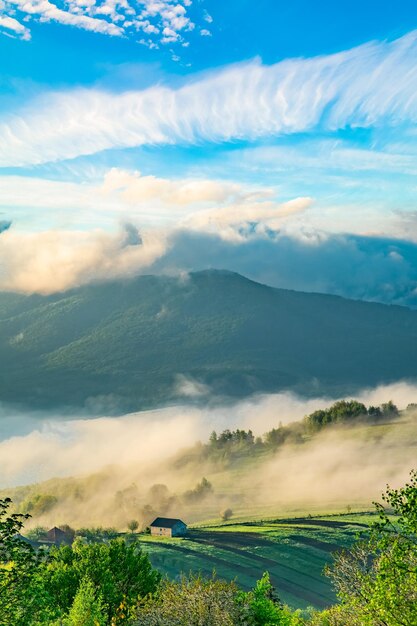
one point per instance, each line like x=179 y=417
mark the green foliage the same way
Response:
x=377 y=580
x=192 y=601
x=374 y=412
x=133 y=525
x=34 y=534
x=38 y=504
x=97 y=534
x=232 y=438
x=344 y=412
x=283 y=434
x=334 y=616
x=196 y=601
x=261 y=608
x=389 y=409
x=120 y=573
x=18 y=566
x=229 y=445
x=69 y=531
x=87 y=608
x=77 y=585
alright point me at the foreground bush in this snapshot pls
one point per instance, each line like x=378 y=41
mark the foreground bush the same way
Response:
x=195 y=601
x=376 y=581
x=36 y=587
x=19 y=565
x=120 y=572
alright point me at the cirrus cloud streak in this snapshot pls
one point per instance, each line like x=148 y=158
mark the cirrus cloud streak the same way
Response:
x=370 y=85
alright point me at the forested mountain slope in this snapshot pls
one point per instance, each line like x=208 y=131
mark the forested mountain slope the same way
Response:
x=125 y=345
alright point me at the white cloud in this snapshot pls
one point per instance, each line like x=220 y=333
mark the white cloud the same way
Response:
x=9 y=25
x=331 y=155
x=56 y=260
x=44 y=10
x=65 y=247
x=122 y=194
x=68 y=445
x=112 y=17
x=189 y=388
x=368 y=85
x=207 y=17
x=237 y=222
x=134 y=188
x=79 y=446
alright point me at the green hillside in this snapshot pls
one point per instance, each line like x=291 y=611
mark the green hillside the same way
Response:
x=294 y=552
x=119 y=346
x=271 y=526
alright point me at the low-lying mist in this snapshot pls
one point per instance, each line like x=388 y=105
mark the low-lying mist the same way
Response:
x=150 y=463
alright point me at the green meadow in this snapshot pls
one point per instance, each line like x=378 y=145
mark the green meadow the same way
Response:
x=294 y=551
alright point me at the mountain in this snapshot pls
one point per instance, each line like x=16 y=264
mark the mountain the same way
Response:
x=132 y=344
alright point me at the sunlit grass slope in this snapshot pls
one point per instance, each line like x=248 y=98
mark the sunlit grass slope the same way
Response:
x=294 y=551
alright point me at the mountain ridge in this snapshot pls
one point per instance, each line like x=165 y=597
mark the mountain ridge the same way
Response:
x=123 y=345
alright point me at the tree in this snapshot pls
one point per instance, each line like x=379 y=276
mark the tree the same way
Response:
x=87 y=608
x=190 y=602
x=196 y=601
x=376 y=581
x=69 y=531
x=38 y=504
x=133 y=525
x=213 y=438
x=34 y=534
x=119 y=572
x=226 y=514
x=18 y=566
x=86 y=583
x=260 y=607
x=199 y=493
x=275 y=437
x=389 y=409
x=374 y=411
x=97 y=534
x=342 y=411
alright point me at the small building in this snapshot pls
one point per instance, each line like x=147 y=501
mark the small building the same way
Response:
x=57 y=537
x=168 y=527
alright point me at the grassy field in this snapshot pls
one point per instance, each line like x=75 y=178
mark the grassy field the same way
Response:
x=294 y=551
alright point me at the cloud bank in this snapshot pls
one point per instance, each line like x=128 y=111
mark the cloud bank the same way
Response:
x=135 y=451
x=371 y=268
x=59 y=258
x=366 y=86
x=256 y=240
x=56 y=260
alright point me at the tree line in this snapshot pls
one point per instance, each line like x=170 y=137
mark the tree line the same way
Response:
x=235 y=443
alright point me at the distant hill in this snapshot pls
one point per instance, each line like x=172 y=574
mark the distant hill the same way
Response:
x=125 y=345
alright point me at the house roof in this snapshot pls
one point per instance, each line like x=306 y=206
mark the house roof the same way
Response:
x=56 y=533
x=166 y=522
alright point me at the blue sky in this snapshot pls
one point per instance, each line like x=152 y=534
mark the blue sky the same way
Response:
x=235 y=125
